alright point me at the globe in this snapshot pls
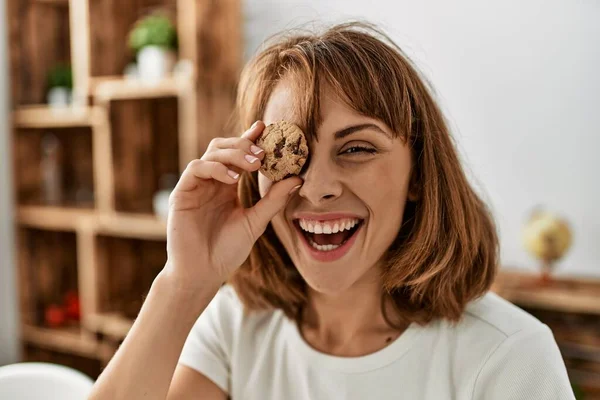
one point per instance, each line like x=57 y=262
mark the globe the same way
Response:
x=547 y=237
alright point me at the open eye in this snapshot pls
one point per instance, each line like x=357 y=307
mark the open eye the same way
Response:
x=359 y=149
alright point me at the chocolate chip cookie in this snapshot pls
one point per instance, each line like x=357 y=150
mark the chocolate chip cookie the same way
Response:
x=285 y=149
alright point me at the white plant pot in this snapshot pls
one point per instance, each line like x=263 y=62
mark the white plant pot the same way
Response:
x=59 y=97
x=155 y=63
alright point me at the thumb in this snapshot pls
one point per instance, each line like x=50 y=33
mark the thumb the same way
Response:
x=274 y=201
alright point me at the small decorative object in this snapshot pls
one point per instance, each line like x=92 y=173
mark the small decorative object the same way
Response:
x=60 y=86
x=547 y=237
x=51 y=170
x=72 y=305
x=154 y=39
x=54 y=316
x=161 y=198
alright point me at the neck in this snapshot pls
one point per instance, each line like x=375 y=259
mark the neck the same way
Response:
x=350 y=323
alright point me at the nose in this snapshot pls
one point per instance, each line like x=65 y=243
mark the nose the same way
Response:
x=321 y=182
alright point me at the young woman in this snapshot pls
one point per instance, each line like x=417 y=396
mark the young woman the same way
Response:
x=365 y=277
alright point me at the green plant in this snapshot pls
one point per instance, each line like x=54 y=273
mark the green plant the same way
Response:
x=153 y=30
x=60 y=76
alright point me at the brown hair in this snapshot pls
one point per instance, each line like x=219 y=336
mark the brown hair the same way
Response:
x=446 y=252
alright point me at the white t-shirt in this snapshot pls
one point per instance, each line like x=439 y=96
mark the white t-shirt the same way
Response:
x=496 y=352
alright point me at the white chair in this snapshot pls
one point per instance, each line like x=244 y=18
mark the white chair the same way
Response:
x=43 y=381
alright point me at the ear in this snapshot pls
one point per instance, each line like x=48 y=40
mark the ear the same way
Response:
x=414 y=189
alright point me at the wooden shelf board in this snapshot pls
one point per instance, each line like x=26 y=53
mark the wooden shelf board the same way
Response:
x=119 y=88
x=60 y=339
x=53 y=218
x=62 y=3
x=42 y=116
x=111 y=325
x=134 y=226
x=562 y=294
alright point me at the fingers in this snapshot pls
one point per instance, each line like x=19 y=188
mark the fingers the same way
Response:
x=254 y=132
x=202 y=169
x=258 y=217
x=225 y=158
x=234 y=157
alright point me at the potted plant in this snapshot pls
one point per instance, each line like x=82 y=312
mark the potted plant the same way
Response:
x=60 y=86
x=154 y=40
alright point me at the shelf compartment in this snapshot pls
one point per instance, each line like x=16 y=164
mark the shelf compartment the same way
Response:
x=145 y=150
x=47 y=45
x=125 y=270
x=42 y=116
x=110 y=22
x=54 y=167
x=47 y=272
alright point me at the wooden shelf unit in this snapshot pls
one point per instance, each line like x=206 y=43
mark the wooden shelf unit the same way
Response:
x=119 y=137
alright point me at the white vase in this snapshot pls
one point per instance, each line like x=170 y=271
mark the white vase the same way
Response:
x=59 y=97
x=155 y=63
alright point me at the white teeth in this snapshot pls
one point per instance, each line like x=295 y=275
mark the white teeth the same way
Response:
x=344 y=226
x=324 y=247
x=327 y=227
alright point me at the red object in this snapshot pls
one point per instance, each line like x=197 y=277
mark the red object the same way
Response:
x=54 y=316
x=72 y=306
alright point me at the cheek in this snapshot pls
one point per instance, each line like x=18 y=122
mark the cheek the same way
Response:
x=384 y=191
x=264 y=184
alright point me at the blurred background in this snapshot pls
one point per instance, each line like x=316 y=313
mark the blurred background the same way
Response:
x=104 y=102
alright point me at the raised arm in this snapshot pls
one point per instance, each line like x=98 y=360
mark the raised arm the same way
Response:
x=209 y=234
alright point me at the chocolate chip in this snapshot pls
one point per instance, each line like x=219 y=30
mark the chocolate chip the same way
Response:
x=278 y=147
x=295 y=147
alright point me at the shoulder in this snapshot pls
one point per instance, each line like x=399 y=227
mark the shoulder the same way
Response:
x=498 y=317
x=228 y=316
x=515 y=352
x=486 y=324
x=224 y=337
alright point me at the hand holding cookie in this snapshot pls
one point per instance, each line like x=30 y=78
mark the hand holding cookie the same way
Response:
x=209 y=232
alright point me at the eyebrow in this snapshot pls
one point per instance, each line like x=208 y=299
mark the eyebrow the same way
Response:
x=355 y=128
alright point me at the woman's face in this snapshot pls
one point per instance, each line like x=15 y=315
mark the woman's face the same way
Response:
x=349 y=210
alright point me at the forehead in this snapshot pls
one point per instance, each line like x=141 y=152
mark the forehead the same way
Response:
x=289 y=102
x=283 y=104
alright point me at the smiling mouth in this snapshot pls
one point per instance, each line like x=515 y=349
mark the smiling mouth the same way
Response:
x=326 y=238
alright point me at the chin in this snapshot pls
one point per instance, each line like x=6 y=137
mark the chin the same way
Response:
x=329 y=279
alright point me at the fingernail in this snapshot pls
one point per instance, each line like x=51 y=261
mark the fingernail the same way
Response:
x=233 y=174
x=250 y=158
x=256 y=149
x=254 y=125
x=295 y=188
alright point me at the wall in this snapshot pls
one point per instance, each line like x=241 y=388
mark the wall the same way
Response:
x=519 y=82
x=8 y=303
